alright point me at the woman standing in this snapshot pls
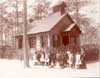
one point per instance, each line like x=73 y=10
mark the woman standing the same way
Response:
x=83 y=59
x=70 y=58
x=52 y=57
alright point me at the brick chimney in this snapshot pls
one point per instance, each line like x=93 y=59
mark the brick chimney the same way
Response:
x=59 y=8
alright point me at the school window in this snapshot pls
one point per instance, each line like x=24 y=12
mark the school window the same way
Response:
x=20 y=43
x=43 y=40
x=32 y=42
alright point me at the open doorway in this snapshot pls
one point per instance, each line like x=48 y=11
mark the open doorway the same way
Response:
x=65 y=40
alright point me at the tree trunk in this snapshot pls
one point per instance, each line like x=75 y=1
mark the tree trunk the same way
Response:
x=25 y=41
x=1 y=27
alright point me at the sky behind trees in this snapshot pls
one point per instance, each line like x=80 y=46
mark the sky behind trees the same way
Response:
x=92 y=10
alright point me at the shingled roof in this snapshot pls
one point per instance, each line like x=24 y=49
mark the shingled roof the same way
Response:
x=46 y=24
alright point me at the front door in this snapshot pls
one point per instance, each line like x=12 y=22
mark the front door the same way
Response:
x=65 y=40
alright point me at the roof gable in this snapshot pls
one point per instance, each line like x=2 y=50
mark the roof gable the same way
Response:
x=70 y=27
x=73 y=28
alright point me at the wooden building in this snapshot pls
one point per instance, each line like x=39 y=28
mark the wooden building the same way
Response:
x=54 y=31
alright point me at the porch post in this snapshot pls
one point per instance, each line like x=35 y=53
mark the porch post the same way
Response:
x=69 y=39
x=78 y=40
x=51 y=40
x=61 y=40
x=48 y=38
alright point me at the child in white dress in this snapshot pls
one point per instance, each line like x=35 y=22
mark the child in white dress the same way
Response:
x=78 y=60
x=70 y=58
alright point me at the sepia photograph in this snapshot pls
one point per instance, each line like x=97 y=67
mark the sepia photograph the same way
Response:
x=49 y=38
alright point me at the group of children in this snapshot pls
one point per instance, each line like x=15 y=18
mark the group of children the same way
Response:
x=62 y=57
